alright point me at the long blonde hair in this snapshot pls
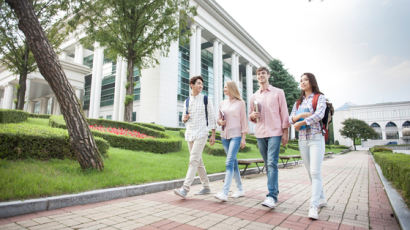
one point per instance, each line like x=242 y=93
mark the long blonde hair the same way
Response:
x=233 y=90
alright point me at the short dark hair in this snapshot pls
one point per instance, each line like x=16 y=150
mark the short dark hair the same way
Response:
x=262 y=68
x=193 y=79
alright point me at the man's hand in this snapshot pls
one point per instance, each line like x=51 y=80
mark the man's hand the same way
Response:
x=212 y=139
x=185 y=118
x=254 y=115
x=285 y=137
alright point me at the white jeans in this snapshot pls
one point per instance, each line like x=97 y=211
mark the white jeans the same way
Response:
x=196 y=164
x=312 y=152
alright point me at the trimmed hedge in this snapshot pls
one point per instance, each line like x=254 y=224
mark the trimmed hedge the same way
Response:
x=20 y=141
x=396 y=168
x=380 y=149
x=12 y=116
x=151 y=126
x=35 y=115
x=174 y=129
x=218 y=150
x=161 y=144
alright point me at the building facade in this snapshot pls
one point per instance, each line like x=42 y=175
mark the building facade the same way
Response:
x=219 y=49
x=387 y=119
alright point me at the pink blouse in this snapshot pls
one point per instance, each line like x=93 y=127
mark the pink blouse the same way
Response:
x=235 y=115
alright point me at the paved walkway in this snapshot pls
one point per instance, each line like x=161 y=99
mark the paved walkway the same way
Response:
x=356 y=200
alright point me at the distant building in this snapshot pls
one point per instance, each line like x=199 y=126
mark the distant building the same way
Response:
x=387 y=119
x=219 y=49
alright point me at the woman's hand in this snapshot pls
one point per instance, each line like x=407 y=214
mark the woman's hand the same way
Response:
x=243 y=143
x=221 y=122
x=304 y=115
x=299 y=124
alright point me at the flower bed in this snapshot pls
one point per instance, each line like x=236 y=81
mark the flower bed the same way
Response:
x=120 y=131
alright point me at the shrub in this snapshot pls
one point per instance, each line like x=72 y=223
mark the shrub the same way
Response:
x=19 y=141
x=12 y=116
x=380 y=149
x=174 y=129
x=162 y=144
x=294 y=147
x=182 y=133
x=396 y=168
x=336 y=142
x=151 y=126
x=35 y=115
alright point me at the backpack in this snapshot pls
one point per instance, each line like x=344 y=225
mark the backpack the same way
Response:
x=206 y=107
x=327 y=118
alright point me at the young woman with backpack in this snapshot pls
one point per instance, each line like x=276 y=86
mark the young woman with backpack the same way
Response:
x=306 y=116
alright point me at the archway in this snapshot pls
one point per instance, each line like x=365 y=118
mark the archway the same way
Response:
x=392 y=131
x=378 y=130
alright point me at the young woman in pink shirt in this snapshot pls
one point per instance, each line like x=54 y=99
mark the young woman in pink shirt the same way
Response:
x=232 y=118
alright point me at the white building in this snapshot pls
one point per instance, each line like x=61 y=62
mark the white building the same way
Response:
x=387 y=119
x=219 y=50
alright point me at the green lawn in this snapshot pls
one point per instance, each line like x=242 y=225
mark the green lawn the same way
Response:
x=34 y=178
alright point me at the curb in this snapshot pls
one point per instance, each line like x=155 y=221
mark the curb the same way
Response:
x=400 y=209
x=20 y=207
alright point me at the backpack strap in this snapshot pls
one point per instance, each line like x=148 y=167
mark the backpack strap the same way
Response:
x=186 y=105
x=315 y=100
x=206 y=108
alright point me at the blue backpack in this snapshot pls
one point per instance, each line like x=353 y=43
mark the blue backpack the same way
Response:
x=206 y=107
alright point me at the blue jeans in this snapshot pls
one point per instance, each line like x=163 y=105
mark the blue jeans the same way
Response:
x=231 y=147
x=269 y=148
x=312 y=152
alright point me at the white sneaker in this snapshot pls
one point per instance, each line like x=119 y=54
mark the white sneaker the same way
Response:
x=313 y=213
x=269 y=202
x=238 y=194
x=322 y=203
x=222 y=197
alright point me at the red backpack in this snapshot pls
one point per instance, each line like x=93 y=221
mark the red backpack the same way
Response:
x=327 y=118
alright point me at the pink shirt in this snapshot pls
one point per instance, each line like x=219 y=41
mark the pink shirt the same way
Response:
x=235 y=116
x=274 y=116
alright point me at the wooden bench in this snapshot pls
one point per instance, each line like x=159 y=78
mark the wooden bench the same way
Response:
x=247 y=162
x=285 y=159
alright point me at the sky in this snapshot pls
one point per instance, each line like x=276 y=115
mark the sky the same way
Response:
x=359 y=51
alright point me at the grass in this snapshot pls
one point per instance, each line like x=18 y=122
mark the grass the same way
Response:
x=30 y=178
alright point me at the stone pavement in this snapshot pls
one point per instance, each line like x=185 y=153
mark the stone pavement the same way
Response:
x=356 y=200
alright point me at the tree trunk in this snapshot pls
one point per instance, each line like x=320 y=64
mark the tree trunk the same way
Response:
x=21 y=92
x=130 y=91
x=81 y=138
x=354 y=143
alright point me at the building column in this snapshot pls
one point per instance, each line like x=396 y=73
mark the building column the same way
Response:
x=118 y=71
x=220 y=72
x=192 y=51
x=27 y=94
x=43 y=105
x=79 y=54
x=8 y=97
x=235 y=68
x=56 y=107
x=292 y=132
x=198 y=50
x=30 y=106
x=95 y=94
x=249 y=84
x=384 y=133
x=216 y=66
x=400 y=130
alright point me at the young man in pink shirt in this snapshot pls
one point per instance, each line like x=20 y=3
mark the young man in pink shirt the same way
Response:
x=272 y=122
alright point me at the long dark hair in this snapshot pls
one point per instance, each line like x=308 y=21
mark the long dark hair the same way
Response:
x=313 y=84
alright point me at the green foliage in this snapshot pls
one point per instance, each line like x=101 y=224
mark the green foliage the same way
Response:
x=396 y=168
x=357 y=129
x=281 y=78
x=12 y=116
x=151 y=125
x=380 y=149
x=128 y=99
x=336 y=142
x=22 y=140
x=218 y=150
x=35 y=115
x=161 y=144
x=174 y=129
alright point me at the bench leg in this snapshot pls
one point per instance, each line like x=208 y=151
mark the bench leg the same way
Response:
x=259 y=170
x=244 y=170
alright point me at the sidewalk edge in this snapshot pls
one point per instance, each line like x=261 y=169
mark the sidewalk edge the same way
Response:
x=399 y=206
